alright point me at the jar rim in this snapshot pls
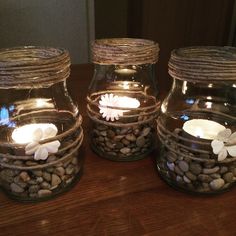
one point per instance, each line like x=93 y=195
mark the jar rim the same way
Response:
x=203 y=64
x=33 y=66
x=124 y=51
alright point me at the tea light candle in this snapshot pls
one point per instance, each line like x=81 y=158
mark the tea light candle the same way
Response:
x=116 y=101
x=201 y=128
x=26 y=133
x=125 y=71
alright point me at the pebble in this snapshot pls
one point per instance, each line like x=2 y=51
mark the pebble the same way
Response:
x=60 y=171
x=186 y=180
x=125 y=150
x=102 y=127
x=171 y=156
x=33 y=188
x=191 y=176
x=74 y=161
x=223 y=169
x=195 y=168
x=37 y=173
x=130 y=137
x=51 y=158
x=24 y=176
x=69 y=169
x=110 y=133
x=146 y=131
x=204 y=178
x=211 y=170
x=125 y=141
x=140 y=142
x=217 y=184
x=45 y=185
x=16 y=188
x=119 y=145
x=39 y=180
x=44 y=192
x=178 y=171
x=183 y=165
x=228 y=177
x=171 y=166
x=47 y=176
x=19 y=181
x=55 y=180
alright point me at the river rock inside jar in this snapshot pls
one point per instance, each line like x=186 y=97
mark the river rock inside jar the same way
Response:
x=196 y=176
x=123 y=142
x=39 y=183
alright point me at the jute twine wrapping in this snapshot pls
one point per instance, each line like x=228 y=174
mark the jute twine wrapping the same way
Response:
x=27 y=67
x=124 y=51
x=203 y=64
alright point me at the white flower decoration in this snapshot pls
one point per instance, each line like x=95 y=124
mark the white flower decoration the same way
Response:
x=224 y=144
x=112 y=101
x=116 y=101
x=41 y=151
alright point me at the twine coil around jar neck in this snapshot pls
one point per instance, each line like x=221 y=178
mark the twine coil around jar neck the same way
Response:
x=204 y=64
x=124 y=51
x=33 y=67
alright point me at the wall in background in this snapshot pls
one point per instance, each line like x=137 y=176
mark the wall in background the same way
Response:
x=172 y=23
x=58 y=23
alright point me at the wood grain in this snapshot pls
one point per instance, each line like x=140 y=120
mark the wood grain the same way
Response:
x=118 y=198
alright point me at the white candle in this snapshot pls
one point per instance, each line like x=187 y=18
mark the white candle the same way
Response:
x=201 y=128
x=27 y=133
x=116 y=101
x=125 y=71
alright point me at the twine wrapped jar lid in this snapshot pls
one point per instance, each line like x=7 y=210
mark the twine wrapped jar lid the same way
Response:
x=27 y=67
x=203 y=64
x=124 y=51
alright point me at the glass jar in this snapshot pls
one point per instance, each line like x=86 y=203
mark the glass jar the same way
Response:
x=197 y=122
x=40 y=125
x=122 y=98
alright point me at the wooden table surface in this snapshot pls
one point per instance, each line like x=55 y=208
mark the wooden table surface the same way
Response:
x=118 y=198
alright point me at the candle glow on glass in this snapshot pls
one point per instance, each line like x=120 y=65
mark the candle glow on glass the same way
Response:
x=109 y=100
x=201 y=128
x=125 y=71
x=26 y=133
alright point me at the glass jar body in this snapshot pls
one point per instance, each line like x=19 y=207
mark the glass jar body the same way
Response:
x=40 y=129
x=193 y=116
x=122 y=105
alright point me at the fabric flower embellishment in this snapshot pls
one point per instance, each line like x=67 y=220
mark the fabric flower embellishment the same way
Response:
x=107 y=112
x=109 y=100
x=41 y=151
x=224 y=144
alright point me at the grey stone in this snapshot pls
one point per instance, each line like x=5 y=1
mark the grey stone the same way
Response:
x=100 y=139
x=39 y=180
x=74 y=161
x=130 y=137
x=191 y=176
x=45 y=185
x=119 y=145
x=178 y=171
x=140 y=142
x=44 y=192
x=223 y=169
x=204 y=178
x=33 y=189
x=117 y=138
x=55 y=180
x=171 y=156
x=47 y=176
x=228 y=177
x=70 y=169
x=60 y=171
x=125 y=150
x=146 y=131
x=211 y=170
x=195 y=168
x=183 y=165
x=19 y=181
x=217 y=184
x=110 y=133
x=124 y=131
x=102 y=127
x=110 y=145
x=16 y=188
x=186 y=179
x=103 y=133
x=24 y=176
x=37 y=173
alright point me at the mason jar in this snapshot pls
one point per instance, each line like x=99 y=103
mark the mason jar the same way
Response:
x=122 y=98
x=40 y=125
x=196 y=126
